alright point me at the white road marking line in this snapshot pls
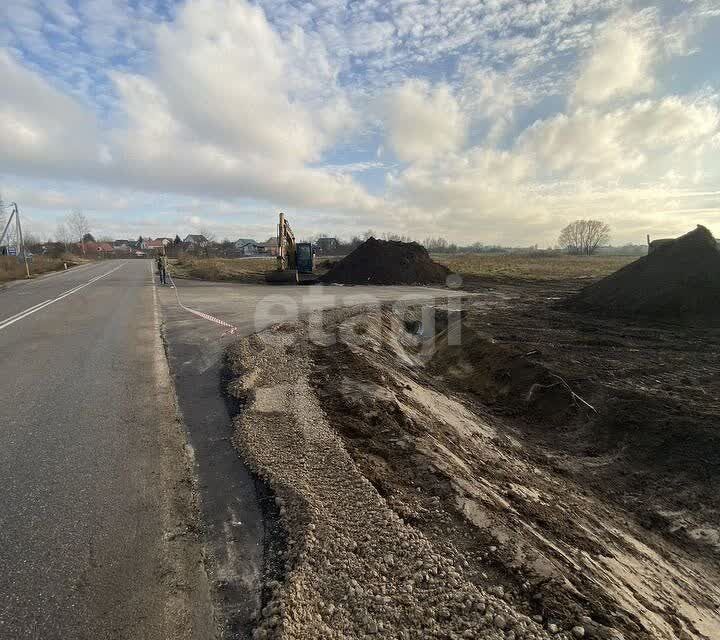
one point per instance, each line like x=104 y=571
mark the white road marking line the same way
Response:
x=38 y=307
x=23 y=314
x=25 y=311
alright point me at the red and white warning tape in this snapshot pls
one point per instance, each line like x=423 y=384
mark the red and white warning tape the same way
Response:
x=206 y=316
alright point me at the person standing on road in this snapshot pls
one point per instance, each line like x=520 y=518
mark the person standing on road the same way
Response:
x=162 y=266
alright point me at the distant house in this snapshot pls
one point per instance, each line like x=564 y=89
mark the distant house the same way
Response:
x=327 y=245
x=246 y=247
x=100 y=248
x=121 y=246
x=269 y=248
x=154 y=245
x=149 y=243
x=195 y=240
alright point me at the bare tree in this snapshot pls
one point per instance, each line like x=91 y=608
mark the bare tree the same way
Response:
x=31 y=239
x=62 y=234
x=210 y=237
x=78 y=226
x=583 y=237
x=397 y=236
x=436 y=245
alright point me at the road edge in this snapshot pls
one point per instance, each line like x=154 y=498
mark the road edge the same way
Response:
x=188 y=612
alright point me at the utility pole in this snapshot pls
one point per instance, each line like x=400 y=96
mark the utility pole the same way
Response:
x=19 y=243
x=20 y=238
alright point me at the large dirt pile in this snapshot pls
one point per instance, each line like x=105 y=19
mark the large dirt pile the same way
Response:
x=387 y=262
x=678 y=280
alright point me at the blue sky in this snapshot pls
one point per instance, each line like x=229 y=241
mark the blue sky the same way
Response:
x=496 y=121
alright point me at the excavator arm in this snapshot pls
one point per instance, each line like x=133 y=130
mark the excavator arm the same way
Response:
x=286 y=245
x=286 y=272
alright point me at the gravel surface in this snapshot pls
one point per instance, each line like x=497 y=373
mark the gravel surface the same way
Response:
x=352 y=567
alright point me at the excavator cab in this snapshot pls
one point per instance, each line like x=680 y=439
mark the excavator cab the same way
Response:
x=304 y=257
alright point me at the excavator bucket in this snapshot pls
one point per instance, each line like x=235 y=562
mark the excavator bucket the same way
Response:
x=286 y=276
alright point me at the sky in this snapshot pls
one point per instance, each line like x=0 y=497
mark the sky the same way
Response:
x=493 y=121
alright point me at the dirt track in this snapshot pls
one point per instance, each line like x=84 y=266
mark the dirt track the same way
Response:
x=411 y=503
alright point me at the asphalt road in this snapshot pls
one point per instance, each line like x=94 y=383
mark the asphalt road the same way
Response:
x=95 y=498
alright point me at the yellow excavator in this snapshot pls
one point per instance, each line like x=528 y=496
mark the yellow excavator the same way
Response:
x=295 y=260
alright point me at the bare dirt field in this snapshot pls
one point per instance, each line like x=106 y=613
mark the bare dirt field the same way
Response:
x=553 y=474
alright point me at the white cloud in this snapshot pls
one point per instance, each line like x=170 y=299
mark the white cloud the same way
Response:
x=423 y=121
x=228 y=76
x=366 y=37
x=231 y=110
x=596 y=145
x=492 y=97
x=235 y=110
x=622 y=59
x=41 y=128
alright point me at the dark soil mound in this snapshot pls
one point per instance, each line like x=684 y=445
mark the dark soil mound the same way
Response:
x=678 y=280
x=661 y=433
x=504 y=378
x=387 y=262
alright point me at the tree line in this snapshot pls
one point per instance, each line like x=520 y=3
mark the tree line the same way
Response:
x=581 y=237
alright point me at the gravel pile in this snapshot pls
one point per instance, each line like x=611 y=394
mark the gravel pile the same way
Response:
x=353 y=568
x=387 y=262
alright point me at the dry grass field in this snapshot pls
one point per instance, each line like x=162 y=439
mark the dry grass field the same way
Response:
x=11 y=269
x=532 y=266
x=222 y=269
x=250 y=270
x=536 y=267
